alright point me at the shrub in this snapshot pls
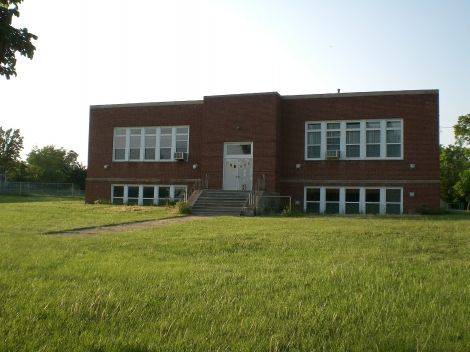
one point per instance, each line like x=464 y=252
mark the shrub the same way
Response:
x=183 y=207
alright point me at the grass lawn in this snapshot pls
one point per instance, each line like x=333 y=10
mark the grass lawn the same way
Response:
x=231 y=284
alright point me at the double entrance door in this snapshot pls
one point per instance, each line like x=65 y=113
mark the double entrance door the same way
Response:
x=238 y=166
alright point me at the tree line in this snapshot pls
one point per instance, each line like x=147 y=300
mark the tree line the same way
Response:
x=46 y=164
x=455 y=165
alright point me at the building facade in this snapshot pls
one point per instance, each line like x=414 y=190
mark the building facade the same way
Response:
x=372 y=152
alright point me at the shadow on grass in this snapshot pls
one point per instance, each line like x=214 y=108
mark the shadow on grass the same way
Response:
x=5 y=198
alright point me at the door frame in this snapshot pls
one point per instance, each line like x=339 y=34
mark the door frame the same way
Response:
x=236 y=156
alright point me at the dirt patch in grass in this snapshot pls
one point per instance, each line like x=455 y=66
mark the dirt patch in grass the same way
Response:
x=138 y=225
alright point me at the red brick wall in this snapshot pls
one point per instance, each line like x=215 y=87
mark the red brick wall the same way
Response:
x=241 y=118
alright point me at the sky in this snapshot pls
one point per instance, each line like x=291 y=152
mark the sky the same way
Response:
x=118 y=51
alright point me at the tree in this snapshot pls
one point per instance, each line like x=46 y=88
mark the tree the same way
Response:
x=462 y=129
x=11 y=145
x=462 y=187
x=51 y=164
x=12 y=40
x=453 y=159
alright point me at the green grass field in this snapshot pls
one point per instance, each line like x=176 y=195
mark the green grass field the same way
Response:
x=231 y=284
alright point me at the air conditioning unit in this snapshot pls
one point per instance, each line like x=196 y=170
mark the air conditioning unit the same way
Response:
x=332 y=154
x=180 y=155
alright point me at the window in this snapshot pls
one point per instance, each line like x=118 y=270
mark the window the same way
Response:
x=353 y=139
x=150 y=143
x=394 y=139
x=333 y=135
x=393 y=201
x=357 y=139
x=313 y=200
x=332 y=201
x=373 y=201
x=353 y=200
x=373 y=139
x=313 y=140
x=147 y=194
x=238 y=149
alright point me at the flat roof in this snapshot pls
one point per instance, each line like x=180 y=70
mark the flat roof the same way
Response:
x=284 y=97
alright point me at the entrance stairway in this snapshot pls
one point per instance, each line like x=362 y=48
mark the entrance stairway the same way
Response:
x=218 y=202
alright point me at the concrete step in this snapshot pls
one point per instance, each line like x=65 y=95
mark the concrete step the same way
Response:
x=218 y=202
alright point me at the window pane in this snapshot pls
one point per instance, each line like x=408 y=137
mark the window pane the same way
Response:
x=393 y=124
x=118 y=191
x=352 y=195
x=181 y=137
x=393 y=195
x=313 y=194
x=332 y=195
x=353 y=125
x=313 y=152
x=165 y=130
x=132 y=201
x=134 y=154
x=165 y=154
x=150 y=131
x=147 y=201
x=133 y=192
x=373 y=124
x=393 y=136
x=313 y=126
x=372 y=208
x=164 y=192
x=149 y=154
x=119 y=131
x=313 y=138
x=352 y=208
x=120 y=142
x=134 y=142
x=165 y=141
x=119 y=154
x=373 y=136
x=331 y=208
x=181 y=146
x=150 y=141
x=118 y=200
x=393 y=150
x=393 y=209
x=238 y=149
x=333 y=126
x=373 y=195
x=179 y=192
x=182 y=130
x=353 y=137
x=352 y=151
x=373 y=150
x=313 y=208
x=148 y=192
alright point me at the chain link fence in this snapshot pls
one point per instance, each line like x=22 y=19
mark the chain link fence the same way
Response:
x=39 y=188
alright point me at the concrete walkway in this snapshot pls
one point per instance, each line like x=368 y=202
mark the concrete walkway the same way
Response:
x=140 y=225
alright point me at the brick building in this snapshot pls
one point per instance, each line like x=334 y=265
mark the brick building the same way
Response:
x=373 y=152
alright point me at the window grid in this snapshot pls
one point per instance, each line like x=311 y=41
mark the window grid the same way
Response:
x=146 y=194
x=149 y=143
x=353 y=200
x=358 y=139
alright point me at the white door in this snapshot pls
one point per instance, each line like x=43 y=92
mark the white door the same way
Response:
x=238 y=166
x=238 y=174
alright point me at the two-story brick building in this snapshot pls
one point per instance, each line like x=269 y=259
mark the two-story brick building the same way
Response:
x=373 y=152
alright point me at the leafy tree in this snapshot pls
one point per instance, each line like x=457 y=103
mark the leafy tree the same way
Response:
x=11 y=145
x=462 y=129
x=453 y=159
x=462 y=187
x=51 y=164
x=12 y=40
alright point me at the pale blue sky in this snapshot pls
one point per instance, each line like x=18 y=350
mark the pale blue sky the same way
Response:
x=103 y=51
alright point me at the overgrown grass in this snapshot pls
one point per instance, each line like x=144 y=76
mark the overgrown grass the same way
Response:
x=233 y=284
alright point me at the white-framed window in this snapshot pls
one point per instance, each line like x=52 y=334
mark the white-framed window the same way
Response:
x=238 y=149
x=147 y=194
x=364 y=139
x=149 y=143
x=353 y=200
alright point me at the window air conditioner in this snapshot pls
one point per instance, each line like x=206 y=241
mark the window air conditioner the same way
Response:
x=332 y=154
x=180 y=156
